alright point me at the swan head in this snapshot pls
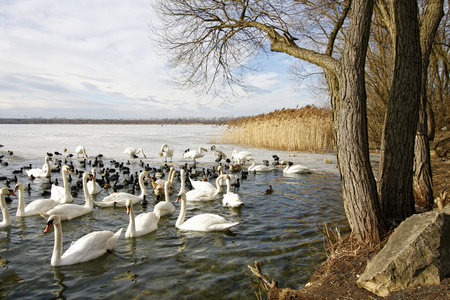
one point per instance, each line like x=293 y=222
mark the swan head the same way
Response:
x=86 y=176
x=52 y=221
x=7 y=191
x=181 y=196
x=129 y=206
x=213 y=147
x=18 y=186
x=203 y=149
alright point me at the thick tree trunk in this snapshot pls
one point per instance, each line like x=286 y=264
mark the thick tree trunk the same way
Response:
x=423 y=181
x=350 y=121
x=395 y=182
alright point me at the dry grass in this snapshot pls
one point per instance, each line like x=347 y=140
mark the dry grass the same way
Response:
x=305 y=129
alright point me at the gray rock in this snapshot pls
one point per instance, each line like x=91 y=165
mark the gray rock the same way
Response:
x=417 y=253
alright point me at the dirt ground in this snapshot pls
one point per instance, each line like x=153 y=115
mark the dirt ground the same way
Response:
x=336 y=277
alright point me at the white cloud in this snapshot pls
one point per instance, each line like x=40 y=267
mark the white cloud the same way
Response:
x=94 y=59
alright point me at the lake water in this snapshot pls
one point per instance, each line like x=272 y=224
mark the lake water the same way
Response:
x=277 y=230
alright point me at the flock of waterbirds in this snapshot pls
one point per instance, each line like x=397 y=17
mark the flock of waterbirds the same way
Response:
x=128 y=187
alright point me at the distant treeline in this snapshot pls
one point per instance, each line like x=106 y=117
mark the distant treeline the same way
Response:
x=212 y=121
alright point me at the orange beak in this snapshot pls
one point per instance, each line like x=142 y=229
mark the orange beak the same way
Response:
x=47 y=228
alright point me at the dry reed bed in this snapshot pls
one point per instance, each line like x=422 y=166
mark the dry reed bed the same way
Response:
x=304 y=129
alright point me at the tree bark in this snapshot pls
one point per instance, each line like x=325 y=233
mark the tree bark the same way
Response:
x=350 y=121
x=423 y=180
x=395 y=182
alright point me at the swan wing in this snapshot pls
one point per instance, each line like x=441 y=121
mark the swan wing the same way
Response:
x=232 y=200
x=93 y=188
x=222 y=226
x=40 y=205
x=57 y=192
x=200 y=195
x=36 y=173
x=69 y=211
x=90 y=246
x=207 y=222
x=118 y=199
x=146 y=223
x=298 y=169
x=203 y=185
x=164 y=208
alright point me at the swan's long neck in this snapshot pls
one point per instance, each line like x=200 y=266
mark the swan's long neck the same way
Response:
x=142 y=185
x=182 y=215
x=287 y=168
x=131 y=231
x=57 y=247
x=228 y=186
x=253 y=164
x=171 y=175
x=65 y=183
x=47 y=164
x=89 y=203
x=162 y=147
x=218 y=186
x=21 y=207
x=5 y=212
x=166 y=191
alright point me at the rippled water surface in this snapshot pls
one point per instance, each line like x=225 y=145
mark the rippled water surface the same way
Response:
x=277 y=230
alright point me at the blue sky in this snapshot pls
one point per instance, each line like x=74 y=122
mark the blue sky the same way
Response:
x=95 y=59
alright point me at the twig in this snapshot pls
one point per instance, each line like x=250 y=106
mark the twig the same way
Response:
x=267 y=283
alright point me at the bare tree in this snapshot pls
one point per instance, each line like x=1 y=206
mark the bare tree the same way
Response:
x=439 y=76
x=212 y=43
x=380 y=70
x=422 y=162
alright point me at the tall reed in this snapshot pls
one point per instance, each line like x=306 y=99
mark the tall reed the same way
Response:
x=304 y=129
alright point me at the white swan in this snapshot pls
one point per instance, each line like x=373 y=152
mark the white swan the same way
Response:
x=141 y=224
x=33 y=208
x=120 y=199
x=218 y=153
x=93 y=186
x=259 y=168
x=89 y=247
x=202 y=185
x=81 y=151
x=5 y=212
x=193 y=154
x=241 y=157
x=294 y=169
x=68 y=211
x=62 y=194
x=234 y=178
x=44 y=172
x=133 y=152
x=163 y=208
x=166 y=152
x=231 y=199
x=201 y=222
x=205 y=195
